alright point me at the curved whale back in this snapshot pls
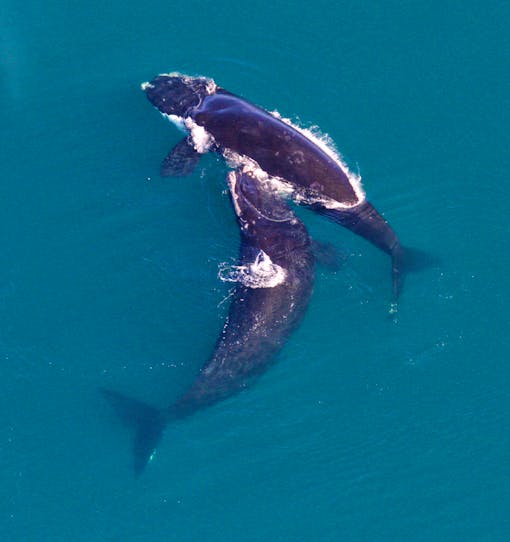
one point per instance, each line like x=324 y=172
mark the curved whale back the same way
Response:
x=260 y=318
x=278 y=148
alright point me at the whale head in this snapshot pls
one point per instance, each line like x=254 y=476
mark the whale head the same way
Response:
x=176 y=94
x=266 y=220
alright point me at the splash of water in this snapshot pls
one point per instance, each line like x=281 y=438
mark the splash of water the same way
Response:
x=262 y=273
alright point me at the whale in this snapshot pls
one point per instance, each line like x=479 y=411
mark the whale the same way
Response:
x=216 y=120
x=274 y=278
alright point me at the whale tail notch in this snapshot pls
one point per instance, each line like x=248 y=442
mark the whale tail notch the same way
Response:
x=365 y=221
x=149 y=424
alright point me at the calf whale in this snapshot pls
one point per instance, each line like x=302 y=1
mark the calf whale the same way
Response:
x=274 y=280
x=217 y=120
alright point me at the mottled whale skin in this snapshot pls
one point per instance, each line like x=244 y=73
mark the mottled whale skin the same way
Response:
x=233 y=124
x=261 y=316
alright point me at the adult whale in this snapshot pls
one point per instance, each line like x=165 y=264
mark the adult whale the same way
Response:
x=274 y=279
x=220 y=121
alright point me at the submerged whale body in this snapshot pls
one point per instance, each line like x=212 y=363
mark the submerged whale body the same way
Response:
x=275 y=275
x=217 y=120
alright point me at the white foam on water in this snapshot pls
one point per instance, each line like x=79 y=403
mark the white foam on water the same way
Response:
x=202 y=139
x=248 y=165
x=262 y=273
x=176 y=121
x=245 y=163
x=270 y=184
x=303 y=198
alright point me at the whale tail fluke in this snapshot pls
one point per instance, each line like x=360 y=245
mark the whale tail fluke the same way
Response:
x=365 y=221
x=149 y=424
x=408 y=260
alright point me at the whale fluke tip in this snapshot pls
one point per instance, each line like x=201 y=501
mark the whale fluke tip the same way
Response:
x=149 y=423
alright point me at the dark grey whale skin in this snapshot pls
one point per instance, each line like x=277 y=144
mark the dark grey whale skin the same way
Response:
x=259 y=320
x=280 y=150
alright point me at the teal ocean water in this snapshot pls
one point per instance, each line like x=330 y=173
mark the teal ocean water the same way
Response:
x=366 y=429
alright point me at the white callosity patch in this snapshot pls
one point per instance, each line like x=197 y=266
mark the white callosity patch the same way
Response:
x=210 y=86
x=210 y=83
x=202 y=140
x=262 y=273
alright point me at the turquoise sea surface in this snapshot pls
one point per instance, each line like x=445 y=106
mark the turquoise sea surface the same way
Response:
x=367 y=429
